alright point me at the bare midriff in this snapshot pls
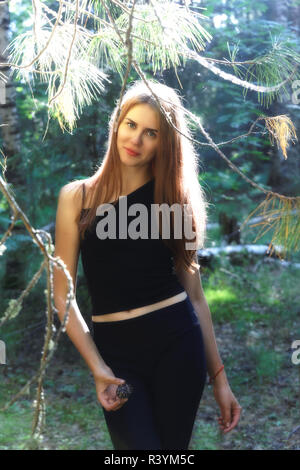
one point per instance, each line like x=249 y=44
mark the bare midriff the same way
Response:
x=136 y=312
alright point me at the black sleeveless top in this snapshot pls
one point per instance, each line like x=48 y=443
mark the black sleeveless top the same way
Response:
x=127 y=273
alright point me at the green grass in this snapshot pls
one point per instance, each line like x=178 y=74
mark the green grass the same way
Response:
x=205 y=437
x=15 y=427
x=15 y=424
x=82 y=425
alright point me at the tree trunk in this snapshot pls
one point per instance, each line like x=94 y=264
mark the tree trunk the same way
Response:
x=11 y=145
x=8 y=111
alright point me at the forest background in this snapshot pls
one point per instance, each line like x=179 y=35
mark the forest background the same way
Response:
x=254 y=300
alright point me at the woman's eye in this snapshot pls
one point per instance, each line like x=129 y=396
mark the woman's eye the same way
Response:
x=130 y=124
x=152 y=134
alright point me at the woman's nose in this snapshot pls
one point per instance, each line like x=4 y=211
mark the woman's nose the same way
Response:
x=137 y=138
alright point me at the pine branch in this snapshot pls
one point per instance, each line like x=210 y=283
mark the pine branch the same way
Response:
x=235 y=80
x=262 y=63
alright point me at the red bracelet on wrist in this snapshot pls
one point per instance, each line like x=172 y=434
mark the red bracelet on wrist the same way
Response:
x=213 y=378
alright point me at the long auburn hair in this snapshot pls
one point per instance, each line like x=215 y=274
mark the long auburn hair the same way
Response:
x=174 y=168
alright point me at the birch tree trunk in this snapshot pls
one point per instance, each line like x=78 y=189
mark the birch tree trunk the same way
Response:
x=10 y=144
x=8 y=111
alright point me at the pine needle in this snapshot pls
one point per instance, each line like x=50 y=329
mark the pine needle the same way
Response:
x=283 y=216
x=282 y=129
x=165 y=28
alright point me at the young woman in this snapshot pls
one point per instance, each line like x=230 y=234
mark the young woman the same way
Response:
x=152 y=327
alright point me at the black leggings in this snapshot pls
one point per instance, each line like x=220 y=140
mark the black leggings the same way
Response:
x=161 y=354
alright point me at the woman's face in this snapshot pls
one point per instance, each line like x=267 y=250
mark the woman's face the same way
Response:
x=137 y=138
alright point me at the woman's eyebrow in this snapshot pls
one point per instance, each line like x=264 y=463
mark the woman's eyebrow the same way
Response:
x=148 y=128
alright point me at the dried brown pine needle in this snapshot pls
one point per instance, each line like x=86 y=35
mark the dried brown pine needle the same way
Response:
x=282 y=129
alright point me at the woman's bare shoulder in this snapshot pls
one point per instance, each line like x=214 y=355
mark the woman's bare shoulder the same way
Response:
x=79 y=192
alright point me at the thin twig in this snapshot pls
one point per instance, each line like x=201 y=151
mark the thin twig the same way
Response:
x=48 y=337
x=127 y=43
x=69 y=55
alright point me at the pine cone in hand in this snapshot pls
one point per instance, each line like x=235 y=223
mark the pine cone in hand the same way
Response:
x=124 y=390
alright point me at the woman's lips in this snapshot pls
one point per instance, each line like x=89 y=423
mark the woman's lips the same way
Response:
x=131 y=152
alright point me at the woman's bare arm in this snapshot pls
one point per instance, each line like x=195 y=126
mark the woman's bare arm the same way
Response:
x=229 y=407
x=67 y=243
x=193 y=287
x=67 y=248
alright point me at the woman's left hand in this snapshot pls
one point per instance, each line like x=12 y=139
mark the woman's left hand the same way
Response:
x=229 y=407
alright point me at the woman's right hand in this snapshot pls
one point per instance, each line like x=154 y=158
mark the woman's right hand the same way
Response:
x=106 y=386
